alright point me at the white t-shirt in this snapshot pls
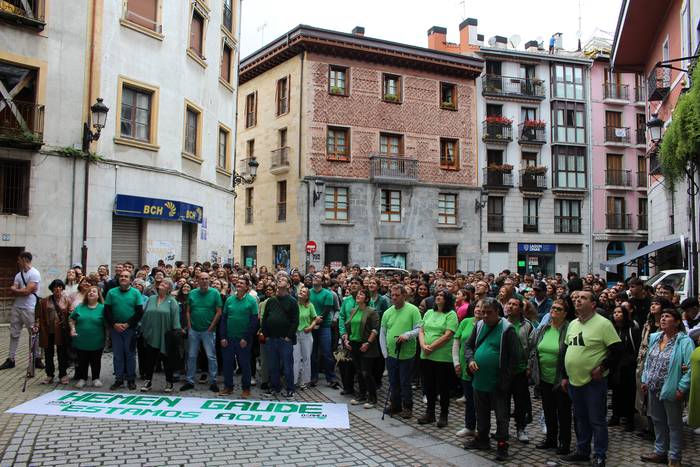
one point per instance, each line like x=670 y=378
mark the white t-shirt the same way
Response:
x=27 y=301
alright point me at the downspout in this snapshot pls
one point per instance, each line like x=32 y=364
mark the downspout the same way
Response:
x=308 y=187
x=589 y=176
x=72 y=216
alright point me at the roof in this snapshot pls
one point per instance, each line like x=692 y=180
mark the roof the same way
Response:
x=638 y=24
x=336 y=43
x=559 y=57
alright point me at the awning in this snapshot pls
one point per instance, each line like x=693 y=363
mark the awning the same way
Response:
x=155 y=208
x=613 y=263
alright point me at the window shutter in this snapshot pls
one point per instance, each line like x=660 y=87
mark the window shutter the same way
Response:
x=144 y=13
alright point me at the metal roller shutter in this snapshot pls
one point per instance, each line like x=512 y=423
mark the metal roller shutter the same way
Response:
x=126 y=240
x=186 y=252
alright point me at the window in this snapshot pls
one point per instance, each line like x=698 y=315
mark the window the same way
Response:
x=494 y=216
x=138 y=114
x=449 y=154
x=641 y=171
x=391 y=89
x=336 y=204
x=249 y=205
x=528 y=159
x=390 y=144
x=448 y=96
x=250 y=149
x=251 y=109
x=530 y=216
x=567 y=216
x=226 y=63
x=567 y=82
x=144 y=14
x=338 y=144
x=568 y=123
x=197 y=28
x=227 y=20
x=616 y=215
x=528 y=113
x=193 y=128
x=447 y=209
x=282 y=96
x=570 y=167
x=642 y=214
x=391 y=206
x=224 y=143
x=14 y=187
x=337 y=80
x=282 y=201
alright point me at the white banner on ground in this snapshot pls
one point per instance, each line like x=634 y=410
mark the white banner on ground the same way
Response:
x=167 y=408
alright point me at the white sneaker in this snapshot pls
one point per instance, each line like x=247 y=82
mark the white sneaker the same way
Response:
x=522 y=436
x=357 y=401
x=425 y=399
x=461 y=401
x=696 y=431
x=252 y=381
x=97 y=383
x=544 y=429
x=465 y=432
x=80 y=384
x=369 y=405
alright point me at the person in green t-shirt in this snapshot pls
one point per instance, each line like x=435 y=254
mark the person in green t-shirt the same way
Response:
x=363 y=344
x=237 y=327
x=308 y=320
x=397 y=338
x=464 y=332
x=435 y=337
x=203 y=310
x=87 y=328
x=324 y=304
x=492 y=353
x=123 y=312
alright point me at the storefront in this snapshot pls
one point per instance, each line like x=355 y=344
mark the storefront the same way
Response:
x=536 y=257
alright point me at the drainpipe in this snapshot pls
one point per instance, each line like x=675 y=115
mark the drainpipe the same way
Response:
x=589 y=176
x=308 y=187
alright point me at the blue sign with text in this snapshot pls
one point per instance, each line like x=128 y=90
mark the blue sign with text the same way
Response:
x=537 y=247
x=154 y=208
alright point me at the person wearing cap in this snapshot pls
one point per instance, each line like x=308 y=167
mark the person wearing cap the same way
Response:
x=541 y=300
x=54 y=332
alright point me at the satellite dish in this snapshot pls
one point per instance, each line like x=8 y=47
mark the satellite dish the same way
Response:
x=515 y=40
x=492 y=41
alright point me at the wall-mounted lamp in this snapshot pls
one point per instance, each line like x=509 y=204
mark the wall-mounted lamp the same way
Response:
x=318 y=190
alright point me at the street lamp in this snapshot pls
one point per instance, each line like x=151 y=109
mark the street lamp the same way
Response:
x=246 y=178
x=318 y=190
x=655 y=125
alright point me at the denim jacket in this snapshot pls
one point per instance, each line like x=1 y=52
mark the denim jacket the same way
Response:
x=675 y=379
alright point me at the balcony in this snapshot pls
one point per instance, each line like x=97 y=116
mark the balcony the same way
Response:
x=639 y=97
x=567 y=224
x=397 y=169
x=641 y=179
x=618 y=221
x=28 y=13
x=616 y=93
x=533 y=179
x=658 y=84
x=642 y=222
x=617 y=136
x=21 y=124
x=640 y=137
x=618 y=178
x=279 y=160
x=530 y=224
x=532 y=132
x=500 y=132
x=494 y=222
x=249 y=215
x=498 y=177
x=512 y=87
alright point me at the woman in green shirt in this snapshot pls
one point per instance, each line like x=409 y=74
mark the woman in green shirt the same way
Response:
x=305 y=341
x=435 y=336
x=546 y=365
x=363 y=325
x=160 y=318
x=87 y=328
x=464 y=331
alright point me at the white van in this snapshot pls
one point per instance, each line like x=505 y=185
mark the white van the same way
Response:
x=679 y=279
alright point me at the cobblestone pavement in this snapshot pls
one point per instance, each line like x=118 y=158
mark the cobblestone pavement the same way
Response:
x=43 y=440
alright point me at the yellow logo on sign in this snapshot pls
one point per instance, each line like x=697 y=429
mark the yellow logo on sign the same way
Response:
x=153 y=210
x=172 y=209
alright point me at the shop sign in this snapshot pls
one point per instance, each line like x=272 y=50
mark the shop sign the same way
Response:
x=155 y=208
x=549 y=248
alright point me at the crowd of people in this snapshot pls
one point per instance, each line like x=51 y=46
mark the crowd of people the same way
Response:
x=491 y=340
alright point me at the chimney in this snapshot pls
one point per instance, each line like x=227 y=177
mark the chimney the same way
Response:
x=467 y=32
x=479 y=39
x=558 y=41
x=532 y=46
x=501 y=42
x=358 y=31
x=437 y=38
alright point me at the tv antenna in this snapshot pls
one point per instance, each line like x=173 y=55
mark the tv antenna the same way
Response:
x=464 y=9
x=580 y=30
x=492 y=42
x=515 y=40
x=261 y=30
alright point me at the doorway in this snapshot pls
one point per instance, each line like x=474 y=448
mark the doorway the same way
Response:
x=447 y=258
x=334 y=253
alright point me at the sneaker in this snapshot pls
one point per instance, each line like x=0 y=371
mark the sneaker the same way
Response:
x=465 y=432
x=203 y=378
x=47 y=380
x=334 y=385
x=461 y=401
x=168 y=387
x=226 y=391
x=80 y=384
x=502 y=451
x=131 y=385
x=245 y=394
x=655 y=458
x=406 y=413
x=252 y=382
x=358 y=401
x=392 y=410
x=289 y=394
x=425 y=399
x=147 y=386
x=426 y=419
x=347 y=392
x=598 y=462
x=7 y=365
x=64 y=380
x=523 y=437
x=545 y=445
x=186 y=387
x=370 y=404
x=696 y=431
x=442 y=421
x=301 y=387
x=213 y=387
x=575 y=458
x=116 y=385
x=96 y=383
x=39 y=364
x=476 y=444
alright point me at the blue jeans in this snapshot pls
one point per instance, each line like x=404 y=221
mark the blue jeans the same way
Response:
x=242 y=355
x=280 y=358
x=590 y=409
x=207 y=339
x=469 y=408
x=124 y=354
x=668 y=426
x=322 y=344
x=400 y=382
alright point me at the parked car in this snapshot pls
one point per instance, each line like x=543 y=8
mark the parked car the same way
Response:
x=676 y=278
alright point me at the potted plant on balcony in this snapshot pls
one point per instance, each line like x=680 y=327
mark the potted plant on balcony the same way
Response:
x=501 y=168
x=536 y=169
x=337 y=90
x=498 y=120
x=391 y=97
x=535 y=124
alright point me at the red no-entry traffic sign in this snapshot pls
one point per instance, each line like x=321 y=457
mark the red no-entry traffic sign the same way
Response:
x=311 y=247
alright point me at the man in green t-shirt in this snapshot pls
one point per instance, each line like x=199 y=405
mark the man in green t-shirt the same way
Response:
x=123 y=311
x=397 y=338
x=203 y=310
x=237 y=326
x=492 y=353
x=323 y=302
x=592 y=349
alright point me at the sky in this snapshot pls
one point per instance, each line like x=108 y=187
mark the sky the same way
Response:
x=408 y=21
